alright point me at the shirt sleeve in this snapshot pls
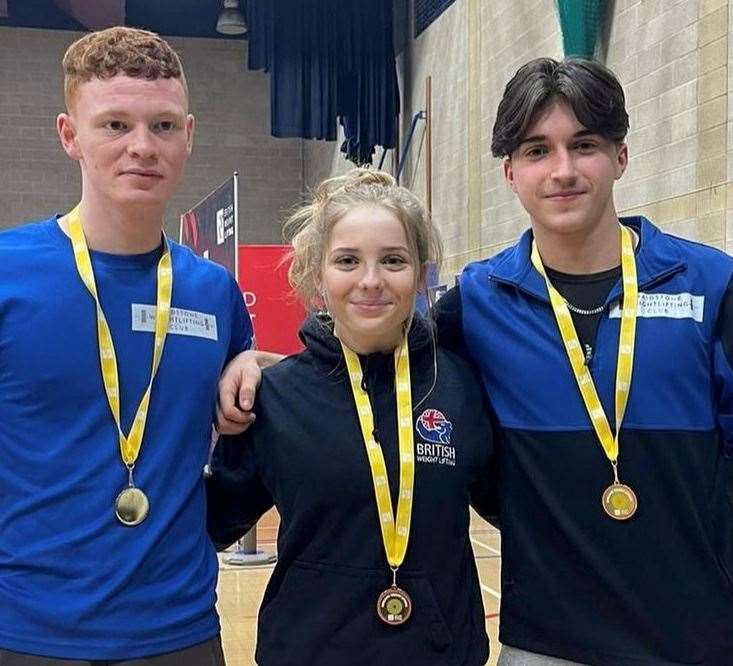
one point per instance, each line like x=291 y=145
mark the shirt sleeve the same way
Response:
x=723 y=368
x=723 y=376
x=236 y=497
x=484 y=483
x=448 y=317
x=242 y=335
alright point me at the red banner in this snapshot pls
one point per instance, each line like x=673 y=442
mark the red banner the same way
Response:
x=276 y=313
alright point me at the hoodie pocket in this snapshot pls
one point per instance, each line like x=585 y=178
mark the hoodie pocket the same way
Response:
x=323 y=613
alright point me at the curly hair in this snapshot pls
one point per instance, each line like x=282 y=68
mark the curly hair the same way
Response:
x=119 y=50
x=308 y=229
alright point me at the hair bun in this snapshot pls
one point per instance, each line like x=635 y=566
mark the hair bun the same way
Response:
x=353 y=180
x=357 y=177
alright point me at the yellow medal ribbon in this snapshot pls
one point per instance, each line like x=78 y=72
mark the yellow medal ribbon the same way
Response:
x=130 y=444
x=624 y=367
x=395 y=530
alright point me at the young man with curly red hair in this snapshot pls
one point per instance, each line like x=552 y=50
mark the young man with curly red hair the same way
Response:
x=112 y=339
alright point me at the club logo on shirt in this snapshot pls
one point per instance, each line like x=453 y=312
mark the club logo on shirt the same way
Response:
x=182 y=322
x=669 y=306
x=436 y=430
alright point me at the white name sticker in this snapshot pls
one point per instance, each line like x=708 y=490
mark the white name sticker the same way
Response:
x=182 y=322
x=672 y=306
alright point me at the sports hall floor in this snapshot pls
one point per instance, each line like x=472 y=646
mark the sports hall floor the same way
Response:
x=241 y=589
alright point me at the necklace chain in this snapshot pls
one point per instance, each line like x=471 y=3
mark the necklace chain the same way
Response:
x=581 y=311
x=597 y=310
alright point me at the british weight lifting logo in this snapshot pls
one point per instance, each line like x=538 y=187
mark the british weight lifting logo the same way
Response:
x=437 y=449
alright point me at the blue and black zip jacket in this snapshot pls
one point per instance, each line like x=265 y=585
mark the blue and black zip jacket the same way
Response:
x=576 y=584
x=305 y=454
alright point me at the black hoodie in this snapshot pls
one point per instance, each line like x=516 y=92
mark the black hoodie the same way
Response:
x=306 y=455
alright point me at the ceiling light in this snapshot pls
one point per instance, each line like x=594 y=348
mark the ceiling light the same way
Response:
x=231 y=21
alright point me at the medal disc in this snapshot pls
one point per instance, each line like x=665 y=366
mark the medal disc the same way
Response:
x=131 y=506
x=619 y=501
x=394 y=606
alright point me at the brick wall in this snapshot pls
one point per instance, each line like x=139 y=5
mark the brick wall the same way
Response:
x=231 y=105
x=729 y=136
x=673 y=58
x=441 y=52
x=36 y=177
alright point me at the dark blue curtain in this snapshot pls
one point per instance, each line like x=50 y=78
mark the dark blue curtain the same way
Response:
x=329 y=61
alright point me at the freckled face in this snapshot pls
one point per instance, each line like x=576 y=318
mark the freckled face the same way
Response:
x=132 y=138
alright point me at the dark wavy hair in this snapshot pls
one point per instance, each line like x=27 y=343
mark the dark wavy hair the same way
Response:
x=590 y=89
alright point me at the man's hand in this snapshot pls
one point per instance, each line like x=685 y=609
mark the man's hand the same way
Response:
x=237 y=389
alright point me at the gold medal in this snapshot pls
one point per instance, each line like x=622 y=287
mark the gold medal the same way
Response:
x=619 y=501
x=132 y=506
x=394 y=606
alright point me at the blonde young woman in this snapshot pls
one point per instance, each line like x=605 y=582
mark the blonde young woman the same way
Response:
x=371 y=443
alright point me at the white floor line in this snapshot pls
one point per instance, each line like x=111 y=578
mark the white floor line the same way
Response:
x=491 y=591
x=483 y=545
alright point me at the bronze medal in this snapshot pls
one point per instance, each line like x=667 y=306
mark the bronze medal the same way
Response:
x=619 y=501
x=394 y=606
x=132 y=506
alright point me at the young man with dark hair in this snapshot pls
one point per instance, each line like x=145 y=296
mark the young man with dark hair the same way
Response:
x=606 y=348
x=112 y=339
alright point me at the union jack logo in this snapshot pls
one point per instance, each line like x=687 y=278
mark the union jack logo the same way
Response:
x=432 y=426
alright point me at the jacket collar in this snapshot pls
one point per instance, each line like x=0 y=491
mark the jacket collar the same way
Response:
x=656 y=257
x=317 y=335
